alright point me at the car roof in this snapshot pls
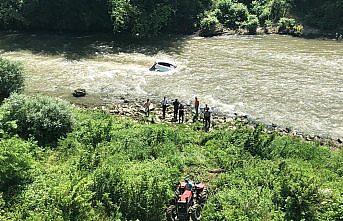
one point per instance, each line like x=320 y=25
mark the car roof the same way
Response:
x=166 y=61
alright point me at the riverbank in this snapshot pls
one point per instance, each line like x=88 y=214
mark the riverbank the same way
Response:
x=112 y=168
x=133 y=108
x=307 y=33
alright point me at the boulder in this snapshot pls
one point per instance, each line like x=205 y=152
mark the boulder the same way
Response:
x=80 y=92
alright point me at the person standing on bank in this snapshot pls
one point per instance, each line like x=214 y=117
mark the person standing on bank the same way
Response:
x=176 y=109
x=207 y=119
x=196 y=107
x=147 y=107
x=181 y=113
x=164 y=104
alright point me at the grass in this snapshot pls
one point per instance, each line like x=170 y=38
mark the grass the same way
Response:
x=112 y=168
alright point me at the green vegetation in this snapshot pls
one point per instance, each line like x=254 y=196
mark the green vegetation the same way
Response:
x=289 y=26
x=15 y=163
x=251 y=24
x=210 y=26
x=11 y=78
x=111 y=168
x=41 y=118
x=231 y=14
x=148 y=18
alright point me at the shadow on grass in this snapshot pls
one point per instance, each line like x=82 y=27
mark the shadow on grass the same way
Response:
x=76 y=47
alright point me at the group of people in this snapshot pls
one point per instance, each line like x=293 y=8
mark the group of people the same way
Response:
x=179 y=111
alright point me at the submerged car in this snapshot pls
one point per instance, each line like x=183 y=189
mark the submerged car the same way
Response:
x=163 y=66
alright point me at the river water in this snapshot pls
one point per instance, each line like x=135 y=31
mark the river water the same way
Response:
x=288 y=81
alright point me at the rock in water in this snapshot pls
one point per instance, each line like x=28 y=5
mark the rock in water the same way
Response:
x=79 y=92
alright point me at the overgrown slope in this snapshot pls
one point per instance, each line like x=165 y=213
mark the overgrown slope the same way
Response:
x=109 y=168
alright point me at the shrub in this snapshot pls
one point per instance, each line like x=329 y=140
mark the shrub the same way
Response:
x=258 y=144
x=11 y=78
x=279 y=9
x=231 y=14
x=15 y=162
x=210 y=26
x=262 y=10
x=242 y=203
x=297 y=191
x=286 y=25
x=251 y=24
x=290 y=26
x=42 y=118
x=140 y=190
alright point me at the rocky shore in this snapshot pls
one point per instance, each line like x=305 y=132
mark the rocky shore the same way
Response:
x=133 y=109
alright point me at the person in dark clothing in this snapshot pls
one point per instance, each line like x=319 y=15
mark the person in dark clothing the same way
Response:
x=196 y=107
x=207 y=118
x=164 y=104
x=188 y=184
x=181 y=113
x=176 y=108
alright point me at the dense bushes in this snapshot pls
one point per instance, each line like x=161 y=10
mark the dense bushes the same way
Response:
x=210 y=26
x=231 y=14
x=148 y=18
x=249 y=15
x=133 y=193
x=323 y=14
x=251 y=24
x=10 y=14
x=11 y=78
x=290 y=26
x=59 y=15
x=144 y=18
x=110 y=168
x=42 y=118
x=15 y=163
x=140 y=18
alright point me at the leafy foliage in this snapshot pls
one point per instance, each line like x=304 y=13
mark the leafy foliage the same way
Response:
x=11 y=78
x=289 y=26
x=41 y=118
x=15 y=163
x=231 y=14
x=148 y=18
x=10 y=13
x=251 y=24
x=64 y=15
x=210 y=26
x=110 y=168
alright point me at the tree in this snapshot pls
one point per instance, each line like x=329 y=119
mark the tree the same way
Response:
x=10 y=13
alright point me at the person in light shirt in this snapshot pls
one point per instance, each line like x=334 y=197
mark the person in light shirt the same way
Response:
x=147 y=107
x=164 y=104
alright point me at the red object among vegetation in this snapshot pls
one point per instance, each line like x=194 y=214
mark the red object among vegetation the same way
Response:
x=186 y=196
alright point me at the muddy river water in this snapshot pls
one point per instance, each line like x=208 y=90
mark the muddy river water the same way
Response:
x=292 y=82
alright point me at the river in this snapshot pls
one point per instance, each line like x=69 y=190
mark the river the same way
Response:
x=288 y=81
